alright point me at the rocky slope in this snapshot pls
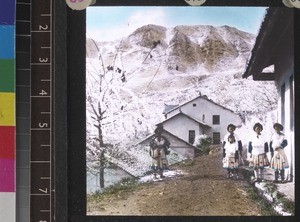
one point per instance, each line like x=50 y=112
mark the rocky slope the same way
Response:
x=188 y=47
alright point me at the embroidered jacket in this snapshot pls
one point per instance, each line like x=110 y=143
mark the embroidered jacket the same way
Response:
x=277 y=141
x=258 y=144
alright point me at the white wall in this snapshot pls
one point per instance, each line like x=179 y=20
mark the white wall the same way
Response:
x=288 y=130
x=180 y=126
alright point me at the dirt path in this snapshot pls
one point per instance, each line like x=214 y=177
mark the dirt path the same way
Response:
x=203 y=190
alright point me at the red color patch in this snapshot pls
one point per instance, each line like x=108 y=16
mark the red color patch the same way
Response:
x=7 y=142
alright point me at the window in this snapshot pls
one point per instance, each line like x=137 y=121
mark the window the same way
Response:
x=192 y=135
x=216 y=119
x=216 y=138
x=194 y=104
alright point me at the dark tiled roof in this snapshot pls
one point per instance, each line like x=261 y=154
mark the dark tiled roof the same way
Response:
x=169 y=107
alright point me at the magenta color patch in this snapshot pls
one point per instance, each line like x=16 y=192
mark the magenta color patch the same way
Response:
x=7 y=175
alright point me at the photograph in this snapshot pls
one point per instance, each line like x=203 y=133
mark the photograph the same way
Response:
x=190 y=111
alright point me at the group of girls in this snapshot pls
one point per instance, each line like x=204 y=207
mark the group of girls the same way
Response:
x=258 y=147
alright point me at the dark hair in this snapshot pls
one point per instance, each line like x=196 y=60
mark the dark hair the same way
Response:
x=158 y=130
x=278 y=125
x=231 y=136
x=257 y=125
x=231 y=125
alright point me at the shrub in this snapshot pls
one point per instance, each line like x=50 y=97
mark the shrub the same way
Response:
x=203 y=142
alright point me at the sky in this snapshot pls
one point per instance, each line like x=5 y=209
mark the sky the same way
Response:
x=110 y=23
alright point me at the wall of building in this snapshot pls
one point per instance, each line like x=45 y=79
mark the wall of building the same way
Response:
x=286 y=115
x=180 y=126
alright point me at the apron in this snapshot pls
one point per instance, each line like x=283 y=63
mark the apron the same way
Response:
x=279 y=160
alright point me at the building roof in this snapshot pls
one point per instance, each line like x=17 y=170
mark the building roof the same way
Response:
x=183 y=114
x=275 y=39
x=203 y=97
x=169 y=107
x=170 y=134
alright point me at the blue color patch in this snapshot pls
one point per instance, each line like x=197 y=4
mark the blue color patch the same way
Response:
x=7 y=41
x=7 y=12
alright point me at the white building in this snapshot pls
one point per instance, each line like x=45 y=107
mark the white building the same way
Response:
x=195 y=117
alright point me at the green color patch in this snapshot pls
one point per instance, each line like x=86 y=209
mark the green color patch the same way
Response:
x=7 y=75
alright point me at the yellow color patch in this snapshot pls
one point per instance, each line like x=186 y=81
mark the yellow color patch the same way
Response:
x=7 y=109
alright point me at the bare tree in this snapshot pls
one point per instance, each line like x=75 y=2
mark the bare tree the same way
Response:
x=111 y=109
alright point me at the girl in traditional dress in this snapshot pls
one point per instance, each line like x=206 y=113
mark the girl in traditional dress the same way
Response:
x=279 y=160
x=230 y=154
x=231 y=131
x=258 y=149
x=159 y=146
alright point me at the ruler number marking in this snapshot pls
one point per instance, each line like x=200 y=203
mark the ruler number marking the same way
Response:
x=43 y=93
x=43 y=28
x=43 y=60
x=43 y=125
x=44 y=191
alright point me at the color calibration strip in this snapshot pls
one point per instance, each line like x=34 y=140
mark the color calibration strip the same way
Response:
x=7 y=111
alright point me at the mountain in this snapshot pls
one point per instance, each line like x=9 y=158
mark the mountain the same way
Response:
x=185 y=58
x=184 y=54
x=186 y=46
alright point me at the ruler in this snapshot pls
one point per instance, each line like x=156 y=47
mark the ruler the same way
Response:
x=41 y=111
